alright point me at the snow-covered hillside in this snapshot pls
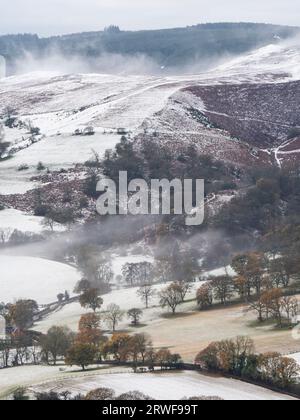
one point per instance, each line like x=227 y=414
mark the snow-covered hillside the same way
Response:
x=275 y=59
x=176 y=108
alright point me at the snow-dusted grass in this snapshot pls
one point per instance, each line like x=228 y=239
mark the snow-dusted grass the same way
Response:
x=73 y=101
x=126 y=298
x=220 y=272
x=11 y=219
x=34 y=278
x=62 y=151
x=166 y=386
x=274 y=58
x=12 y=378
x=295 y=356
x=55 y=153
x=14 y=182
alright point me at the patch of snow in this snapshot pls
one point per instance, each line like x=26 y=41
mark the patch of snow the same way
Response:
x=11 y=219
x=34 y=278
x=295 y=356
x=220 y=272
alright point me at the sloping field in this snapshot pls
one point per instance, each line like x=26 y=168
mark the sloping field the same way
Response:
x=34 y=278
x=190 y=333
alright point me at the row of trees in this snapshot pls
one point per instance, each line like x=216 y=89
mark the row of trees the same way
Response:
x=171 y=297
x=272 y=304
x=238 y=357
x=138 y=273
x=99 y=394
x=90 y=345
x=19 y=348
x=261 y=282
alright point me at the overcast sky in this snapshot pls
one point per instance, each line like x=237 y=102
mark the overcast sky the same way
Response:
x=47 y=17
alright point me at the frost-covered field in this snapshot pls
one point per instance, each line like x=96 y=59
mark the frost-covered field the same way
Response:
x=166 y=386
x=34 y=278
x=11 y=219
x=12 y=378
x=126 y=298
x=56 y=152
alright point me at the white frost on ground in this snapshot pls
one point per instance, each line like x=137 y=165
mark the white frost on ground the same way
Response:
x=295 y=356
x=127 y=299
x=11 y=219
x=34 y=278
x=55 y=153
x=62 y=151
x=13 y=378
x=220 y=272
x=168 y=386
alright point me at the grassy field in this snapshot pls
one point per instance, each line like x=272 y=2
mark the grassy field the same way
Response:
x=188 y=333
x=190 y=330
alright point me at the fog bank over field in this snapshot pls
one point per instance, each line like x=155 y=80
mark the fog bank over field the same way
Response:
x=56 y=62
x=117 y=64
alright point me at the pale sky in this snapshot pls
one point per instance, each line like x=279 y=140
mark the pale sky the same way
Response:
x=49 y=17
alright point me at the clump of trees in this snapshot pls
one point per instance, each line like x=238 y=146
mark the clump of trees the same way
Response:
x=21 y=314
x=18 y=348
x=3 y=144
x=56 y=343
x=272 y=304
x=55 y=396
x=81 y=354
x=138 y=273
x=205 y=296
x=86 y=347
x=91 y=299
x=9 y=117
x=96 y=270
x=262 y=281
x=174 y=295
x=138 y=350
x=238 y=357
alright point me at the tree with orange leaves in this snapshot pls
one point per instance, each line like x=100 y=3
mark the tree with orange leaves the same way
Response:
x=89 y=330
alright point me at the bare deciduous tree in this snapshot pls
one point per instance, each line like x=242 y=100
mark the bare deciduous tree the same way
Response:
x=171 y=297
x=113 y=316
x=146 y=293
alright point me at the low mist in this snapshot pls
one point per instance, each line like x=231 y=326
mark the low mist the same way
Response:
x=106 y=63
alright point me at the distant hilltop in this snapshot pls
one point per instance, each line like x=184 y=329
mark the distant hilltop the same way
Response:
x=167 y=48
